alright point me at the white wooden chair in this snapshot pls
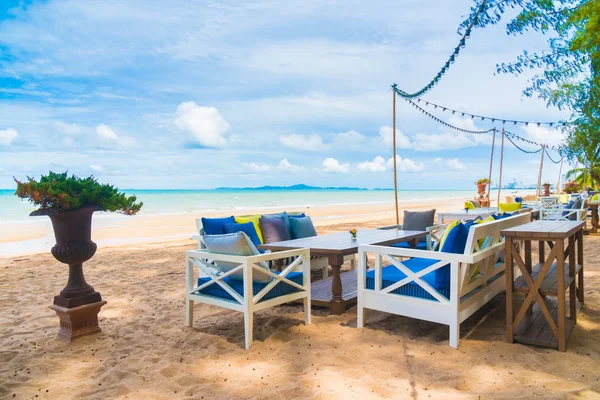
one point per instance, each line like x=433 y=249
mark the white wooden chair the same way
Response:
x=475 y=277
x=217 y=290
x=316 y=263
x=558 y=212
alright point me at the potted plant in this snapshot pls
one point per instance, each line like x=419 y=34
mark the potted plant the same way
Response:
x=571 y=187
x=482 y=185
x=546 y=186
x=69 y=202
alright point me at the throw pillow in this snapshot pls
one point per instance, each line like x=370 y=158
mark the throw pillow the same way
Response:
x=248 y=228
x=504 y=207
x=576 y=206
x=216 y=226
x=274 y=230
x=302 y=227
x=235 y=244
x=254 y=219
x=283 y=215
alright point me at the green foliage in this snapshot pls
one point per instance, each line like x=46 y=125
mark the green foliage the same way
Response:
x=570 y=76
x=482 y=181
x=60 y=192
x=589 y=174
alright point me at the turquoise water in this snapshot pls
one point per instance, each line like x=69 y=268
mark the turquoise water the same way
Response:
x=189 y=201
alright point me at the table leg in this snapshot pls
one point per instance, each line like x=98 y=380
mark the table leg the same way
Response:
x=337 y=305
x=580 y=262
x=508 y=272
x=572 y=286
x=595 y=219
x=541 y=252
x=528 y=265
x=413 y=243
x=560 y=277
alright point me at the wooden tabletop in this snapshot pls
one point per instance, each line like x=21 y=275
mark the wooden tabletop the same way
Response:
x=542 y=230
x=341 y=243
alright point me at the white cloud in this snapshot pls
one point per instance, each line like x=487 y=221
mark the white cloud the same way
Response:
x=377 y=165
x=405 y=164
x=333 y=165
x=7 y=136
x=205 y=124
x=96 y=167
x=386 y=136
x=303 y=142
x=350 y=138
x=286 y=166
x=68 y=129
x=254 y=167
x=542 y=134
x=108 y=135
x=453 y=163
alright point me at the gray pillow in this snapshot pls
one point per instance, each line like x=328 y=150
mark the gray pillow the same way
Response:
x=274 y=229
x=418 y=220
x=235 y=244
x=576 y=206
x=302 y=227
x=476 y=203
x=283 y=215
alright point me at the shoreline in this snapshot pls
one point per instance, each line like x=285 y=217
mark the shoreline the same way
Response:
x=110 y=230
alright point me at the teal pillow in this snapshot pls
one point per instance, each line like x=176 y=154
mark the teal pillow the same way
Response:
x=235 y=244
x=302 y=227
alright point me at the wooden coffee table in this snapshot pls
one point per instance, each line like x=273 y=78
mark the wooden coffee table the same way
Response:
x=335 y=246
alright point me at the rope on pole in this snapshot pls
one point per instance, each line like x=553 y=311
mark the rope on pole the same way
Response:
x=539 y=183
x=491 y=163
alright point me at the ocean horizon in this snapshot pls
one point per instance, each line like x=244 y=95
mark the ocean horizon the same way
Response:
x=179 y=201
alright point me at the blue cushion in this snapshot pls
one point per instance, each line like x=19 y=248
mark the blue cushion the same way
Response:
x=568 y=207
x=280 y=289
x=438 y=279
x=405 y=245
x=296 y=215
x=215 y=226
x=248 y=228
x=518 y=199
x=457 y=239
x=501 y=216
x=302 y=227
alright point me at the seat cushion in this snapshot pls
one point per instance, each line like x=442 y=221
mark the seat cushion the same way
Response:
x=235 y=244
x=405 y=245
x=302 y=227
x=248 y=228
x=280 y=289
x=216 y=226
x=438 y=279
x=274 y=229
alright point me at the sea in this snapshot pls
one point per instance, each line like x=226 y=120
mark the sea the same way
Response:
x=13 y=209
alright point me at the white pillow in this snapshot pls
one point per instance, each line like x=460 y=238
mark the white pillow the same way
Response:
x=236 y=244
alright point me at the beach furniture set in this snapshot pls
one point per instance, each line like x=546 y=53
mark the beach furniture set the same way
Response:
x=438 y=273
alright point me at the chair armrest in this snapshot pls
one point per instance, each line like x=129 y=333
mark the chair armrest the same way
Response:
x=399 y=227
x=251 y=259
x=413 y=253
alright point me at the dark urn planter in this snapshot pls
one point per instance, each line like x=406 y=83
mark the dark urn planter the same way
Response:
x=78 y=304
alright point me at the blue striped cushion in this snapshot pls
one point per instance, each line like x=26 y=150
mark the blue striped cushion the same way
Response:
x=280 y=289
x=391 y=275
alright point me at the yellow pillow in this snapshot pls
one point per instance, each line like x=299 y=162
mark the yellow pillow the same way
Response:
x=485 y=221
x=509 y=207
x=254 y=219
x=446 y=232
x=595 y=197
x=469 y=205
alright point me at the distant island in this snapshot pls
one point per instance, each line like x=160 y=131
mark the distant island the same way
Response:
x=294 y=187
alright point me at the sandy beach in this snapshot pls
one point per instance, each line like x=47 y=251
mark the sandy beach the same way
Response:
x=146 y=352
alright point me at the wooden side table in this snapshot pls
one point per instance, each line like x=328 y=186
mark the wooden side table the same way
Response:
x=595 y=219
x=545 y=323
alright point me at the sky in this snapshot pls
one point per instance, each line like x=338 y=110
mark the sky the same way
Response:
x=192 y=94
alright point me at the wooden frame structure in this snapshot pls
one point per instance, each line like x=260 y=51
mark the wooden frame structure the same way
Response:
x=469 y=289
x=248 y=303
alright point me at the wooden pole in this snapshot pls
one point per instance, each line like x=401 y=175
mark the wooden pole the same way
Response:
x=394 y=155
x=491 y=163
x=501 y=161
x=557 y=188
x=539 y=182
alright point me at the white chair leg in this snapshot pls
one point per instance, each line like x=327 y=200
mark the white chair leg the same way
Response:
x=306 y=311
x=248 y=327
x=454 y=334
x=189 y=313
x=353 y=261
x=325 y=271
x=361 y=313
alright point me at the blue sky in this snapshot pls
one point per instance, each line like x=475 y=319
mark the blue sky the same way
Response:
x=199 y=94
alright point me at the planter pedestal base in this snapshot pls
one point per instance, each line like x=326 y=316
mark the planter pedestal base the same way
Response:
x=78 y=321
